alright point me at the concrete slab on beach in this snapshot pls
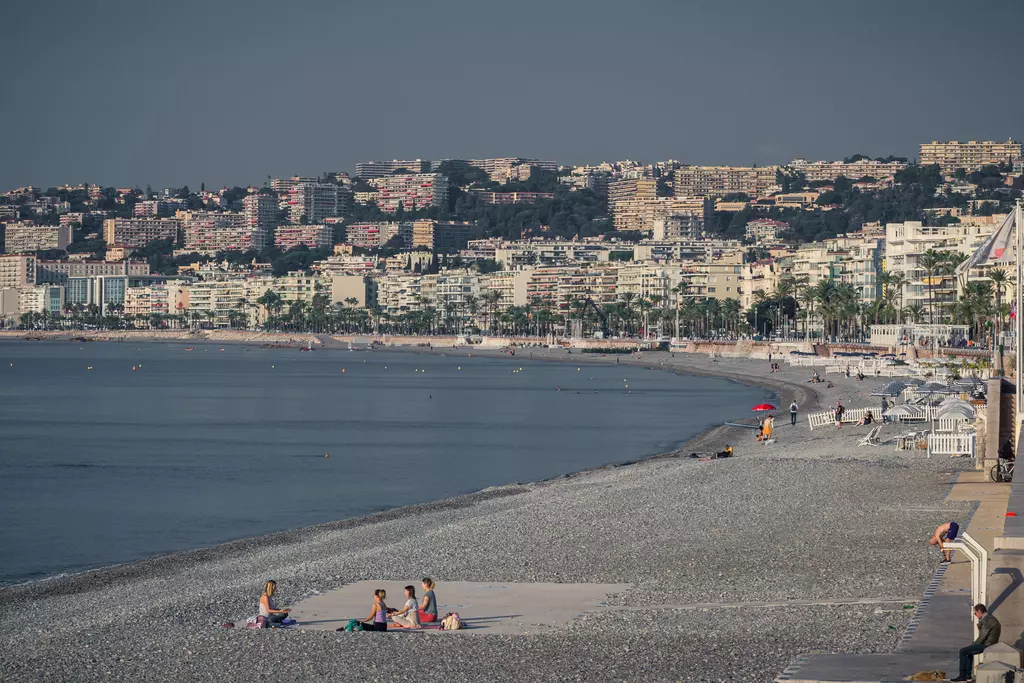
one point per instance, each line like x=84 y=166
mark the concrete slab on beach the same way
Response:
x=491 y=608
x=943 y=624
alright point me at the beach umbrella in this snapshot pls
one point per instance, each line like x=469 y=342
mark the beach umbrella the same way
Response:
x=894 y=388
x=915 y=381
x=957 y=411
x=905 y=411
x=764 y=407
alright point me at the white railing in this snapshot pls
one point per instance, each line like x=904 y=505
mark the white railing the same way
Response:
x=850 y=416
x=952 y=444
x=816 y=420
x=948 y=425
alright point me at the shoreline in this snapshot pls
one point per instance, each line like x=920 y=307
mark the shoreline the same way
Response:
x=710 y=438
x=685 y=537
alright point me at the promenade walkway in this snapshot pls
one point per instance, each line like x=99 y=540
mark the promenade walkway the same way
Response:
x=942 y=625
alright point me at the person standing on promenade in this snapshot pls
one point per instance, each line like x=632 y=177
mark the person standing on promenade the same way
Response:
x=793 y=407
x=944 y=533
x=989 y=630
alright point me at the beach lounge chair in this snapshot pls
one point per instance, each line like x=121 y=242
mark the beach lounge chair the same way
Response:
x=872 y=438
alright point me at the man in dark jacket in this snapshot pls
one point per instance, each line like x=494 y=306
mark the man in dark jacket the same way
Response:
x=989 y=630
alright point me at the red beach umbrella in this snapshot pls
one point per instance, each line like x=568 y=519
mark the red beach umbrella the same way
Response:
x=764 y=407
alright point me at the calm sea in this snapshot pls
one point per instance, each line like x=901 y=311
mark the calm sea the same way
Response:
x=111 y=452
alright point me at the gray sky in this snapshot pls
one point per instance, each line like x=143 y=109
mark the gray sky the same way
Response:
x=229 y=92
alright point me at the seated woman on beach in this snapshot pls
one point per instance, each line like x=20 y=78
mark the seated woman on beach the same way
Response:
x=428 y=607
x=409 y=615
x=378 y=619
x=267 y=607
x=867 y=419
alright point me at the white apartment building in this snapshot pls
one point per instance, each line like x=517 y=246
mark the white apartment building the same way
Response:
x=213 y=231
x=380 y=169
x=17 y=271
x=906 y=244
x=313 y=202
x=511 y=284
x=286 y=185
x=340 y=264
x=717 y=181
x=641 y=214
x=315 y=236
x=376 y=235
x=764 y=229
x=399 y=293
x=41 y=299
x=969 y=156
x=260 y=211
x=25 y=238
x=414 y=191
x=648 y=281
x=816 y=171
x=138 y=232
x=502 y=170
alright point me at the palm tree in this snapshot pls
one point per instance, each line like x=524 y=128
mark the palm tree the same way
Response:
x=915 y=312
x=491 y=298
x=626 y=302
x=680 y=290
x=1000 y=280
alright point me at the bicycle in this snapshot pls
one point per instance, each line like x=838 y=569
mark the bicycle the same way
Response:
x=1002 y=471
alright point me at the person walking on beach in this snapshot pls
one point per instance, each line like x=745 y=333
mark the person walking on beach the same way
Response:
x=989 y=630
x=839 y=415
x=944 y=533
x=268 y=609
x=793 y=407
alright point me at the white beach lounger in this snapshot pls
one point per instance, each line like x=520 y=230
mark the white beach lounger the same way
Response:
x=872 y=438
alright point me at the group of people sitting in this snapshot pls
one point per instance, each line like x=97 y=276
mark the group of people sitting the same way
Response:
x=412 y=615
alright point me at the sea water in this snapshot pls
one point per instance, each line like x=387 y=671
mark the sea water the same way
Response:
x=111 y=452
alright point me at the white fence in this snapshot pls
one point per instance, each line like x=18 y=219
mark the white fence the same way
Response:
x=952 y=444
x=949 y=425
x=850 y=416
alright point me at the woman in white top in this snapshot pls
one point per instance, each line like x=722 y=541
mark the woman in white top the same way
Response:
x=267 y=607
x=408 y=616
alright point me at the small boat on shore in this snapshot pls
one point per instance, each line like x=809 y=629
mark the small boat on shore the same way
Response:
x=190 y=348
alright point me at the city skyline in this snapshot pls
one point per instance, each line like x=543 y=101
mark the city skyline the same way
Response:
x=233 y=93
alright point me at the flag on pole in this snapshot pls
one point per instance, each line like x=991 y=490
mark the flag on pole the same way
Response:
x=1013 y=311
x=998 y=248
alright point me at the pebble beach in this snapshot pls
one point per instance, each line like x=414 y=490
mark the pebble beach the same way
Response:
x=737 y=566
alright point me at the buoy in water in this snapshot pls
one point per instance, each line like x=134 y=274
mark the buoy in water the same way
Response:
x=134 y=368
x=327 y=455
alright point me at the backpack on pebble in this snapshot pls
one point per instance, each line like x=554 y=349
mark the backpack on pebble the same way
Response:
x=451 y=622
x=354 y=625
